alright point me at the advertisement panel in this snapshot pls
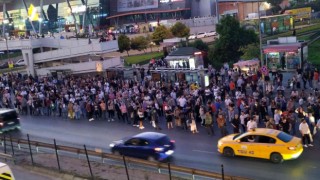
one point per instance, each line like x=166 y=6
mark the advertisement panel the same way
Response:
x=300 y=13
x=134 y=5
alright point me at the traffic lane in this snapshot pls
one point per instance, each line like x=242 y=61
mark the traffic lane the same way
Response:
x=193 y=150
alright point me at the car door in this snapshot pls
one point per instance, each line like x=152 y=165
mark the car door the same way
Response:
x=246 y=146
x=266 y=145
x=145 y=149
x=130 y=147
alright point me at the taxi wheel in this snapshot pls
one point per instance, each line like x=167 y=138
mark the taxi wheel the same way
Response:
x=227 y=151
x=276 y=158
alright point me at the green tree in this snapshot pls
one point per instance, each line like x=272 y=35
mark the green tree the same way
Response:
x=232 y=38
x=250 y=51
x=160 y=33
x=199 y=44
x=124 y=43
x=275 y=2
x=180 y=30
x=139 y=43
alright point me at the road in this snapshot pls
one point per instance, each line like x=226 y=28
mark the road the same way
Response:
x=193 y=150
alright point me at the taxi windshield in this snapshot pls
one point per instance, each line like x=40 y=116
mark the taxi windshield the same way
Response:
x=284 y=137
x=236 y=136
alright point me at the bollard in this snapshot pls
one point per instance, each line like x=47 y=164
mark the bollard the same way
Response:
x=56 y=149
x=30 y=150
x=169 y=168
x=125 y=165
x=85 y=149
x=222 y=171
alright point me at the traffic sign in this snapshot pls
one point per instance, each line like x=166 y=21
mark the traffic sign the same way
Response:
x=264 y=70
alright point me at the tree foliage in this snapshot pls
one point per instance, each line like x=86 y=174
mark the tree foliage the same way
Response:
x=251 y=51
x=275 y=2
x=160 y=33
x=232 y=38
x=124 y=43
x=139 y=43
x=180 y=30
x=199 y=44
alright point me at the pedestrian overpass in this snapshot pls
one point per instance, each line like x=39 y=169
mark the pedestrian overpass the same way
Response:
x=49 y=50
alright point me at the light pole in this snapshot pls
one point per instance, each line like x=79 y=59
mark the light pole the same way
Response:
x=260 y=35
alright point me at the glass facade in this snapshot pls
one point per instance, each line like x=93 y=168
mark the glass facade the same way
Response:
x=57 y=17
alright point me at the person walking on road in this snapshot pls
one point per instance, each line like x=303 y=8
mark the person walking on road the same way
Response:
x=305 y=133
x=209 y=123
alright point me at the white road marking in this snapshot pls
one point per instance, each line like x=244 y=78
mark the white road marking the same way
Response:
x=208 y=152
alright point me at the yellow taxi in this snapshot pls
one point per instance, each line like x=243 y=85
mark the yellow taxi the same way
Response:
x=262 y=143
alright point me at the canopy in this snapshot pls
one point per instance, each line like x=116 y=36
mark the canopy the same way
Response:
x=246 y=63
x=282 y=48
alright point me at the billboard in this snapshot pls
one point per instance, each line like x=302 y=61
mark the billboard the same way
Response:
x=300 y=13
x=134 y=5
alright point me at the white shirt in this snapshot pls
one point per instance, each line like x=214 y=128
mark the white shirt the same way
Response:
x=304 y=128
x=252 y=125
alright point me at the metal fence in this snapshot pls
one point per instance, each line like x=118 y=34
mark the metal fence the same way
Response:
x=11 y=146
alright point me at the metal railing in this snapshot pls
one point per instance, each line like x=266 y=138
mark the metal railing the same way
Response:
x=12 y=143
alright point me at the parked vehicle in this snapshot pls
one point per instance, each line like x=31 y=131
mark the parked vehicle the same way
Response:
x=192 y=36
x=212 y=33
x=5 y=172
x=201 y=35
x=20 y=62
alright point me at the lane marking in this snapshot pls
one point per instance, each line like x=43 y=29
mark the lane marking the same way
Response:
x=208 y=152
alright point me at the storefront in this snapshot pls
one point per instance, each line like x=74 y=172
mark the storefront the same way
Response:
x=289 y=56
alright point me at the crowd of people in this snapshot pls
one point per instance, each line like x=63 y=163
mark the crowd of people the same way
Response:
x=234 y=102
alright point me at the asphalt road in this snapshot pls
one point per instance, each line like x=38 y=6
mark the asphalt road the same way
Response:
x=192 y=150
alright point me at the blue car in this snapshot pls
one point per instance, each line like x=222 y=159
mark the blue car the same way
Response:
x=148 y=145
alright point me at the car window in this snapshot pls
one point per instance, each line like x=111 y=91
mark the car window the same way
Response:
x=284 y=137
x=200 y=33
x=133 y=142
x=9 y=116
x=265 y=139
x=143 y=142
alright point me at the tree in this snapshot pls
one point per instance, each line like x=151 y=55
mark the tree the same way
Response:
x=139 y=43
x=275 y=2
x=232 y=38
x=180 y=30
x=251 y=51
x=124 y=43
x=199 y=44
x=160 y=33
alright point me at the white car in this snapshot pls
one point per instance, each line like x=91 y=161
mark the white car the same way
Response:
x=20 y=62
x=201 y=35
x=212 y=33
x=192 y=36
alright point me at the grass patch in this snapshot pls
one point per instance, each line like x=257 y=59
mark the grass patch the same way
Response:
x=314 y=53
x=142 y=58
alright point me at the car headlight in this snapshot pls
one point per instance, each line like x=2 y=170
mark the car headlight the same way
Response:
x=219 y=143
x=112 y=145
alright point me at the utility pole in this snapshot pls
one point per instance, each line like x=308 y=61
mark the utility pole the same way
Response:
x=260 y=35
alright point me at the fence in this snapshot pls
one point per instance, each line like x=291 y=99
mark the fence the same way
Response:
x=14 y=145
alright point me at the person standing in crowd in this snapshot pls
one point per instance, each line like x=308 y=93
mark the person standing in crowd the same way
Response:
x=89 y=110
x=305 y=133
x=252 y=124
x=169 y=117
x=235 y=122
x=209 y=123
x=77 y=111
x=141 y=117
x=103 y=108
x=222 y=125
x=110 y=110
